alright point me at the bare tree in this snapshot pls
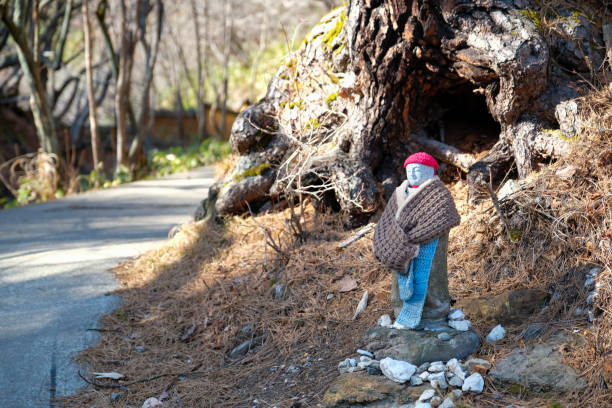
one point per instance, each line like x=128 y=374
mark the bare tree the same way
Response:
x=28 y=53
x=227 y=45
x=98 y=165
x=122 y=93
x=201 y=113
x=150 y=51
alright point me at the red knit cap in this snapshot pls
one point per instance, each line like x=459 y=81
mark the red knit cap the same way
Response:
x=422 y=158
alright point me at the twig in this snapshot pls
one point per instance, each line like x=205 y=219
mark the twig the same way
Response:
x=105 y=330
x=360 y=234
x=155 y=377
x=489 y=188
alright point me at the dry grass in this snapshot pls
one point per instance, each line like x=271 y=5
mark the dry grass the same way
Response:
x=221 y=279
x=187 y=302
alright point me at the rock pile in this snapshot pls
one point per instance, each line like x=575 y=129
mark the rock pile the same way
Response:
x=447 y=381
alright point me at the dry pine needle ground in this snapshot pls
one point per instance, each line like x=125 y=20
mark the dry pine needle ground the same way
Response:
x=210 y=288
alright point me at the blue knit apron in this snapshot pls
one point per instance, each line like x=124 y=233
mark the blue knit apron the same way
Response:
x=413 y=285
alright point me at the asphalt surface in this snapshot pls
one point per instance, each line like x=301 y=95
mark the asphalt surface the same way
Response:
x=54 y=275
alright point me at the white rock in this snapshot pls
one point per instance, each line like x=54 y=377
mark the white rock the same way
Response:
x=365 y=353
x=456 y=314
x=461 y=325
x=424 y=376
x=454 y=367
x=456 y=382
x=447 y=403
x=152 y=402
x=422 y=405
x=427 y=394
x=415 y=380
x=474 y=383
x=438 y=380
x=385 y=320
x=435 y=401
x=364 y=359
x=436 y=367
x=496 y=334
x=397 y=370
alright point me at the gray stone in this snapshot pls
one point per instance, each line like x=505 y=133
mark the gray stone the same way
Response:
x=533 y=331
x=397 y=370
x=427 y=394
x=454 y=367
x=374 y=371
x=474 y=383
x=541 y=367
x=423 y=367
x=447 y=403
x=436 y=367
x=438 y=380
x=444 y=336
x=461 y=325
x=415 y=380
x=455 y=382
x=496 y=334
x=420 y=346
x=385 y=320
x=365 y=353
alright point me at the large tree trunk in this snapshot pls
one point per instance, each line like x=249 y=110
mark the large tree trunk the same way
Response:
x=368 y=86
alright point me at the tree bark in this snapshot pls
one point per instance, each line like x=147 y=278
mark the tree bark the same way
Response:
x=98 y=165
x=136 y=153
x=201 y=90
x=373 y=73
x=123 y=84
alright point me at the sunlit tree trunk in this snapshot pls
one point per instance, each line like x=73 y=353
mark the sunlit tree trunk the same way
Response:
x=201 y=92
x=136 y=154
x=227 y=42
x=98 y=165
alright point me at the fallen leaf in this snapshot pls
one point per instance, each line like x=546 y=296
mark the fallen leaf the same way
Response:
x=189 y=332
x=346 y=284
x=112 y=375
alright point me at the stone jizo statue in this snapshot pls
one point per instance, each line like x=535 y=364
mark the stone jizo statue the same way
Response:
x=412 y=239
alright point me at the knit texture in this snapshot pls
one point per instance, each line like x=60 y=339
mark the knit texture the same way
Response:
x=413 y=286
x=428 y=212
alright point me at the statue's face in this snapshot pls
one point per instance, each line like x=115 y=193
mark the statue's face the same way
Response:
x=418 y=173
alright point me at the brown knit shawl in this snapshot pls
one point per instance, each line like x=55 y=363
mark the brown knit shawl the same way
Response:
x=427 y=213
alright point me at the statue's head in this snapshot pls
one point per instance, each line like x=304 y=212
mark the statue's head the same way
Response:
x=420 y=167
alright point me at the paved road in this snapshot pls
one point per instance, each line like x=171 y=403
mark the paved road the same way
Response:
x=54 y=262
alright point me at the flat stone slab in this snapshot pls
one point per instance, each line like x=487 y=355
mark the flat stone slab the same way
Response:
x=362 y=390
x=419 y=346
x=541 y=368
